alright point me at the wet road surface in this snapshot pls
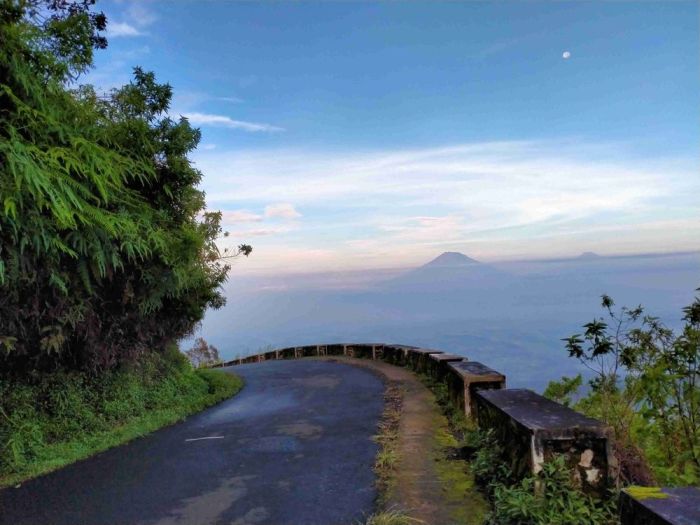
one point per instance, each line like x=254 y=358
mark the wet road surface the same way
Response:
x=292 y=448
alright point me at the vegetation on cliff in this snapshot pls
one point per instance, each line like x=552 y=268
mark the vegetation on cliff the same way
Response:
x=107 y=251
x=70 y=415
x=548 y=498
x=646 y=386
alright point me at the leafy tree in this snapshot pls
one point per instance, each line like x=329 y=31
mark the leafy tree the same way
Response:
x=563 y=391
x=645 y=386
x=203 y=354
x=106 y=248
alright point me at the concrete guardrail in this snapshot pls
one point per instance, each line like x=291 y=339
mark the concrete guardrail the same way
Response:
x=531 y=428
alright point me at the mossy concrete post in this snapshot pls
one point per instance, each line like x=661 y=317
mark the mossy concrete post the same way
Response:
x=437 y=364
x=418 y=358
x=335 y=349
x=307 y=351
x=660 y=506
x=533 y=429
x=395 y=354
x=464 y=378
x=363 y=350
x=349 y=350
x=288 y=352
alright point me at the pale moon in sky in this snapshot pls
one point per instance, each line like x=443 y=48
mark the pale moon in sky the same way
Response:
x=565 y=55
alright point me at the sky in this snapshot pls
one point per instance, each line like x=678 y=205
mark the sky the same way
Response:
x=340 y=135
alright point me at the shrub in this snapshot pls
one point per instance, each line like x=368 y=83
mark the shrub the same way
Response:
x=549 y=498
x=646 y=388
x=487 y=464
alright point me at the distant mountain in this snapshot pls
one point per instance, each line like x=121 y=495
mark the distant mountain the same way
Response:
x=451 y=260
x=450 y=271
x=588 y=256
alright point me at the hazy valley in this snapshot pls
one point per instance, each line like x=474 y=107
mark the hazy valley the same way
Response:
x=510 y=315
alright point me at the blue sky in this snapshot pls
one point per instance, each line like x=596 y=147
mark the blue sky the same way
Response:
x=351 y=135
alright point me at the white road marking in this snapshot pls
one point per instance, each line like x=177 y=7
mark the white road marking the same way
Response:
x=208 y=437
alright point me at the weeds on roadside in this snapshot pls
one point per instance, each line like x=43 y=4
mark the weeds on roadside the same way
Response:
x=392 y=517
x=387 y=438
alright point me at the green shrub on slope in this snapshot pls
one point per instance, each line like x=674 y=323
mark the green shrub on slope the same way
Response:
x=68 y=416
x=107 y=251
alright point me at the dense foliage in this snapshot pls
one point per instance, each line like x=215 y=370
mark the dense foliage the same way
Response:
x=66 y=416
x=646 y=386
x=106 y=250
x=548 y=498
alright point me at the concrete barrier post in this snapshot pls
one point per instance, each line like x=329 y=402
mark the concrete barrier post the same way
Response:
x=464 y=378
x=418 y=358
x=532 y=429
x=436 y=364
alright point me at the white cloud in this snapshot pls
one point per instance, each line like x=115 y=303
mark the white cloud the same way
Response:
x=119 y=29
x=130 y=21
x=260 y=232
x=237 y=216
x=283 y=210
x=491 y=200
x=140 y=14
x=208 y=146
x=233 y=100
x=207 y=119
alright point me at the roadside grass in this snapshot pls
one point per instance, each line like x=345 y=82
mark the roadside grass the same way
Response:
x=65 y=417
x=392 y=517
x=388 y=439
x=452 y=433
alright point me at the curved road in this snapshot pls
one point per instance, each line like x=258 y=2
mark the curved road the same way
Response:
x=293 y=448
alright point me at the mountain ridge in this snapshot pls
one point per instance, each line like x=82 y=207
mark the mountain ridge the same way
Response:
x=450 y=259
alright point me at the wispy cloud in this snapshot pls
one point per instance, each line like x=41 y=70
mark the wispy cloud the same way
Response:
x=208 y=119
x=140 y=13
x=233 y=100
x=130 y=21
x=260 y=232
x=283 y=210
x=238 y=216
x=120 y=29
x=490 y=199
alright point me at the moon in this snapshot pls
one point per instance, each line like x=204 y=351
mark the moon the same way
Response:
x=565 y=55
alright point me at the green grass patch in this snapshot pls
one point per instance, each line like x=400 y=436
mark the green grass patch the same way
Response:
x=64 y=417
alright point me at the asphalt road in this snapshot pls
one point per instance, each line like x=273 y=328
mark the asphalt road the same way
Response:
x=294 y=447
